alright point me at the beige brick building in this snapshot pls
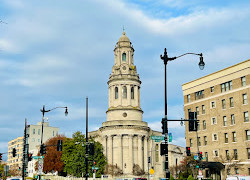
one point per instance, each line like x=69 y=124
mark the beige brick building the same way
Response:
x=34 y=142
x=221 y=100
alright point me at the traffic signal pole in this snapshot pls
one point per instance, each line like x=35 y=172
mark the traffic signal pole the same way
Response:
x=165 y=120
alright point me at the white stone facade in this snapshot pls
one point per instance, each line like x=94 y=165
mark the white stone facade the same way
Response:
x=125 y=137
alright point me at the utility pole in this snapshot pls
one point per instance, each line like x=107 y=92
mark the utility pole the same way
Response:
x=87 y=143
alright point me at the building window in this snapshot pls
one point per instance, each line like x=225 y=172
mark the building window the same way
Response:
x=124 y=92
x=205 y=140
x=216 y=153
x=204 y=124
x=236 y=171
x=199 y=141
x=188 y=98
x=206 y=156
x=248 y=153
x=53 y=133
x=124 y=57
x=226 y=86
x=244 y=97
x=234 y=136
x=243 y=81
x=132 y=93
x=227 y=154
x=224 y=120
x=198 y=126
x=226 y=138
x=38 y=131
x=247 y=135
x=197 y=110
x=199 y=94
x=212 y=104
x=235 y=154
x=203 y=109
x=246 y=117
x=212 y=89
x=215 y=137
x=214 y=120
x=116 y=92
x=34 y=131
x=223 y=102
x=232 y=119
x=231 y=101
x=191 y=142
x=156 y=152
x=33 y=139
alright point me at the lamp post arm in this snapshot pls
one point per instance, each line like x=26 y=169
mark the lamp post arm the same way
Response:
x=187 y=54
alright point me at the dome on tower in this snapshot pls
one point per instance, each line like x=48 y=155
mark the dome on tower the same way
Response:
x=124 y=38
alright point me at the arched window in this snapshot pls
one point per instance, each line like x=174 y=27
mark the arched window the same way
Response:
x=124 y=92
x=116 y=92
x=132 y=93
x=123 y=56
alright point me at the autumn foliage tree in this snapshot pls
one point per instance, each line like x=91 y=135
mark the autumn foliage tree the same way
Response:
x=52 y=159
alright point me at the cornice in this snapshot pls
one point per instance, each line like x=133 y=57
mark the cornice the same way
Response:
x=124 y=127
x=124 y=108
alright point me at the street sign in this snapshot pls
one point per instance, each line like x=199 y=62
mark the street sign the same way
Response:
x=96 y=168
x=151 y=171
x=37 y=157
x=170 y=137
x=157 y=137
x=195 y=157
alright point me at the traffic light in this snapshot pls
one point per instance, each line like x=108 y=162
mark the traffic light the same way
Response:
x=164 y=149
x=91 y=149
x=14 y=152
x=94 y=163
x=42 y=149
x=164 y=126
x=193 y=123
x=148 y=159
x=59 y=145
x=188 y=151
x=1 y=156
x=29 y=157
x=200 y=156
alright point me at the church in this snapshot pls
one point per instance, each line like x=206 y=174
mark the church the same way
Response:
x=126 y=138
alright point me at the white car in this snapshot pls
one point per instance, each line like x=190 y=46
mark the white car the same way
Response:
x=238 y=178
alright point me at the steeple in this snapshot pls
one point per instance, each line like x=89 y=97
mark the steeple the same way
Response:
x=124 y=84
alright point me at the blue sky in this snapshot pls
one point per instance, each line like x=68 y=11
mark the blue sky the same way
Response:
x=57 y=52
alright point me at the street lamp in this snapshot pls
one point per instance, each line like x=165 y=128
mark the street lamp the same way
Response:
x=165 y=59
x=45 y=111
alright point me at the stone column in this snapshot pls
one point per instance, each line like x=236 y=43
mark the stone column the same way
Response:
x=136 y=95
x=145 y=154
x=119 y=151
x=140 y=151
x=128 y=95
x=130 y=151
x=110 y=149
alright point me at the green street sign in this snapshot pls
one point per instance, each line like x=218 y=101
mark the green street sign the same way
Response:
x=157 y=137
x=37 y=157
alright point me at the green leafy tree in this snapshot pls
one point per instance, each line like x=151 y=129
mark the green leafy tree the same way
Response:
x=73 y=156
x=190 y=177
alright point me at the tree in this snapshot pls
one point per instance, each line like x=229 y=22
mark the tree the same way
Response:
x=137 y=170
x=230 y=163
x=113 y=170
x=14 y=171
x=74 y=150
x=2 y=169
x=52 y=159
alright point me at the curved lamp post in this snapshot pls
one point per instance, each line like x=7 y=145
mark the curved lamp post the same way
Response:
x=45 y=111
x=165 y=59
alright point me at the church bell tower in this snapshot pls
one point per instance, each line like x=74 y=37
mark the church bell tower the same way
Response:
x=124 y=84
